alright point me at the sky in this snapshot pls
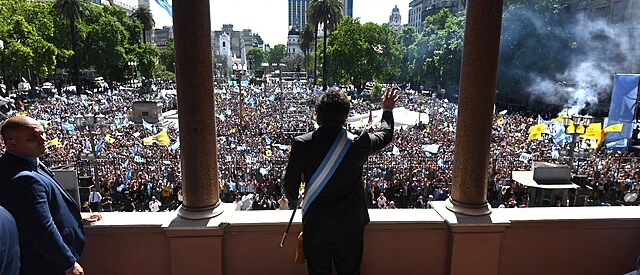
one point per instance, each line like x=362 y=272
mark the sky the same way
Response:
x=268 y=18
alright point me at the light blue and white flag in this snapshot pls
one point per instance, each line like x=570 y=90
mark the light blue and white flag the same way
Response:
x=175 y=146
x=148 y=126
x=560 y=137
x=166 y=6
x=68 y=127
x=267 y=139
x=127 y=177
x=125 y=165
x=99 y=146
x=87 y=146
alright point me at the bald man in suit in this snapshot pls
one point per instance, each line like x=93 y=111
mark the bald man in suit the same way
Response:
x=48 y=218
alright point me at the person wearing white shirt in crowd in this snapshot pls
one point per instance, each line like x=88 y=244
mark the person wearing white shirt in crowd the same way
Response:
x=154 y=204
x=94 y=200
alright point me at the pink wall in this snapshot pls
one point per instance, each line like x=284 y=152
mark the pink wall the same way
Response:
x=523 y=246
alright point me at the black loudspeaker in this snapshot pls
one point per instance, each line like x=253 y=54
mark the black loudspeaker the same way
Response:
x=581 y=180
x=85 y=181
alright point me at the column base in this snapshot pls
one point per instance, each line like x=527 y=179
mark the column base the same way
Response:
x=468 y=209
x=200 y=213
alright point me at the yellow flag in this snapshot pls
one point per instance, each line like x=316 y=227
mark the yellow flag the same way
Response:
x=535 y=135
x=594 y=128
x=55 y=142
x=163 y=138
x=539 y=128
x=148 y=140
x=571 y=129
x=109 y=139
x=616 y=128
x=580 y=129
x=558 y=119
x=500 y=121
x=21 y=114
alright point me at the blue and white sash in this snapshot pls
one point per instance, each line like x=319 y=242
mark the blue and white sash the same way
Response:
x=326 y=168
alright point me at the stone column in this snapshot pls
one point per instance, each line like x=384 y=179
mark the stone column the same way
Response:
x=192 y=30
x=475 y=108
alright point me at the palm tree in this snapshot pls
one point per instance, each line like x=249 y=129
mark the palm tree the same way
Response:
x=306 y=37
x=72 y=11
x=314 y=25
x=328 y=13
x=143 y=14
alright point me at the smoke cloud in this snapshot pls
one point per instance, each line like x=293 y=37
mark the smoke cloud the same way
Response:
x=601 y=50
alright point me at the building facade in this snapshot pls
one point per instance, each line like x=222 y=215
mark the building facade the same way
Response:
x=298 y=13
x=234 y=44
x=348 y=7
x=162 y=36
x=419 y=10
x=395 y=19
x=415 y=15
x=293 y=42
x=613 y=11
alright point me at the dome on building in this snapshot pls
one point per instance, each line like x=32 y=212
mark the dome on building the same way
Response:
x=396 y=9
x=294 y=31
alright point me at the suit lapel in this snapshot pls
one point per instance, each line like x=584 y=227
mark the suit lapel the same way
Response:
x=57 y=185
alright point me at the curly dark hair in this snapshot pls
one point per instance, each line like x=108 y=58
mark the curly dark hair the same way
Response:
x=333 y=108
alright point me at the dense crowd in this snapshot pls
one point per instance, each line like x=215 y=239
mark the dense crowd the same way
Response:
x=253 y=147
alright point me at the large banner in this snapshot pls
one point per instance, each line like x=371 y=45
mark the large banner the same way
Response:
x=622 y=111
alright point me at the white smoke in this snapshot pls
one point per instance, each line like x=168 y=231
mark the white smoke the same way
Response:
x=601 y=50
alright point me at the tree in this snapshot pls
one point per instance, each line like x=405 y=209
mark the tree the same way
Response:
x=328 y=13
x=293 y=62
x=72 y=11
x=146 y=56
x=257 y=56
x=306 y=38
x=143 y=14
x=168 y=57
x=27 y=51
x=525 y=24
x=441 y=46
x=406 y=38
x=364 y=52
x=106 y=48
x=277 y=54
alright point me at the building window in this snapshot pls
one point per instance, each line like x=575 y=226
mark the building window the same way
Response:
x=224 y=44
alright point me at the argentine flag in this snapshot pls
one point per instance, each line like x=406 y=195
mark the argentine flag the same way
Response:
x=166 y=6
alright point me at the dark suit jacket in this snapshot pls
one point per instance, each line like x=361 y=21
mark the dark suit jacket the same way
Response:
x=48 y=219
x=9 y=249
x=342 y=200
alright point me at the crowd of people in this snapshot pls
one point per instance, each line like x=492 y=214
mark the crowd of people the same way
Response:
x=253 y=148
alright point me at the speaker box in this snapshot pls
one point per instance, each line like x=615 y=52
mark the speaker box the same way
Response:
x=85 y=181
x=581 y=180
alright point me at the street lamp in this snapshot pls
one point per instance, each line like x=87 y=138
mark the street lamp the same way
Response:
x=575 y=125
x=90 y=126
x=240 y=70
x=132 y=65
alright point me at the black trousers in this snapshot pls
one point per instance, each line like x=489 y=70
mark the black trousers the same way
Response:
x=326 y=242
x=95 y=206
